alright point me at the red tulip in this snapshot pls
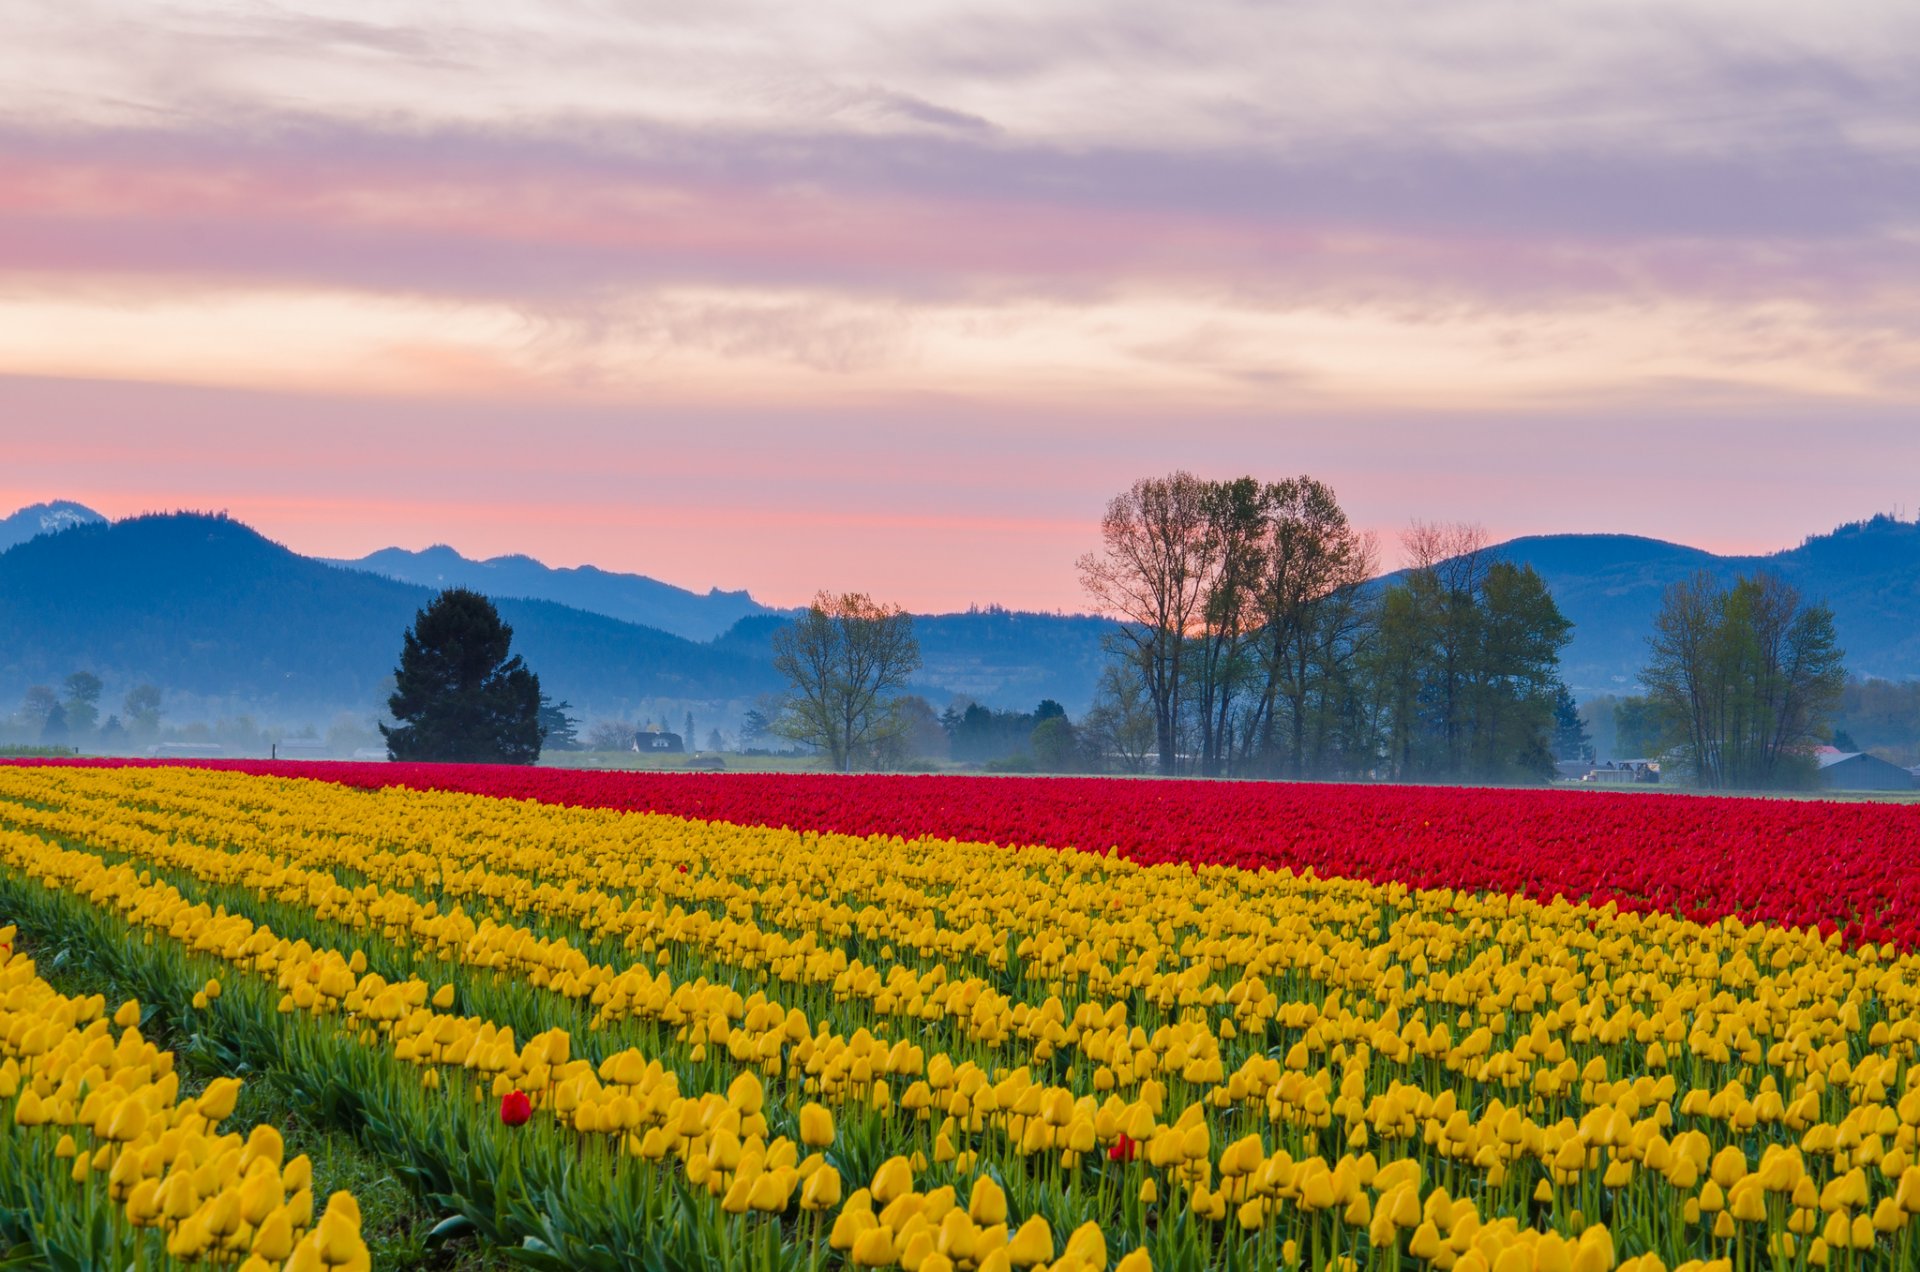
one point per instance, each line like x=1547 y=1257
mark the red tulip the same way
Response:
x=1123 y=1149
x=515 y=1108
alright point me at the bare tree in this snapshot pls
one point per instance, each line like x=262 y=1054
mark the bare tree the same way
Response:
x=844 y=658
x=1313 y=559
x=1237 y=521
x=1119 y=726
x=611 y=735
x=1679 y=675
x=1152 y=574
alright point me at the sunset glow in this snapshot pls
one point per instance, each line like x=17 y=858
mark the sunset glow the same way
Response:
x=785 y=298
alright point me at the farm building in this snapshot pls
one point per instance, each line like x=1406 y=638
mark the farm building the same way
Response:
x=1623 y=772
x=1858 y=771
x=652 y=742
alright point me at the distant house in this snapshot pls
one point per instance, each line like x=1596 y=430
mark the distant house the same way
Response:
x=650 y=742
x=1623 y=772
x=1858 y=771
x=188 y=751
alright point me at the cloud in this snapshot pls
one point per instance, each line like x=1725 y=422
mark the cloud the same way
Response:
x=556 y=210
x=1073 y=204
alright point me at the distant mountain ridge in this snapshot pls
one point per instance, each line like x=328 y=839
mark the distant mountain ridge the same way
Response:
x=234 y=623
x=207 y=607
x=632 y=598
x=45 y=518
x=1610 y=586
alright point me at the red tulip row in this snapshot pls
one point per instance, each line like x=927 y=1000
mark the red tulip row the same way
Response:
x=1851 y=869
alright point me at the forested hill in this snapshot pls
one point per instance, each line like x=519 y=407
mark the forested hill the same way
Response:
x=1610 y=587
x=204 y=606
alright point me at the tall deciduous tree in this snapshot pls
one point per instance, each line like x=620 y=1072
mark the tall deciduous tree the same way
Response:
x=1118 y=729
x=1466 y=668
x=460 y=694
x=143 y=711
x=1223 y=646
x=82 y=702
x=844 y=659
x=1250 y=624
x=1154 y=572
x=1313 y=562
x=37 y=706
x=1752 y=674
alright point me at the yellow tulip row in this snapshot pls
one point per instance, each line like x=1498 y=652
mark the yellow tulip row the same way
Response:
x=719 y=1140
x=1800 y=1044
x=121 y=1121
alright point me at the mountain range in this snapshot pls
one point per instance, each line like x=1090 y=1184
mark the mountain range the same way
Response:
x=1610 y=587
x=45 y=518
x=631 y=598
x=228 y=621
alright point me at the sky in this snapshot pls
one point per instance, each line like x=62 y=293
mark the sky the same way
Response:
x=894 y=298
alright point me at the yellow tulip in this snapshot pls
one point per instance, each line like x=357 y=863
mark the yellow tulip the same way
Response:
x=816 y=1126
x=1031 y=1244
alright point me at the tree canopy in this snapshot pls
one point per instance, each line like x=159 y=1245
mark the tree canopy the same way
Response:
x=1748 y=676
x=460 y=695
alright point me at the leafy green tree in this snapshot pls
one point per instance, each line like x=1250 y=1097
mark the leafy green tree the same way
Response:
x=143 y=711
x=913 y=737
x=1643 y=729
x=1055 y=745
x=38 y=705
x=1465 y=668
x=1752 y=674
x=460 y=695
x=82 y=702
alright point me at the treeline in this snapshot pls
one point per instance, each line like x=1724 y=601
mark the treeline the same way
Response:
x=1257 y=642
x=70 y=716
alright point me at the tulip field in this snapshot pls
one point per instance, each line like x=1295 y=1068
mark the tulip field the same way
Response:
x=672 y=1021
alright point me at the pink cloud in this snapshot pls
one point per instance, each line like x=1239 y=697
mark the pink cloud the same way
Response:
x=542 y=220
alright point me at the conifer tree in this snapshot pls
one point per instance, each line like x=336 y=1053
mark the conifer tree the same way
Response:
x=459 y=696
